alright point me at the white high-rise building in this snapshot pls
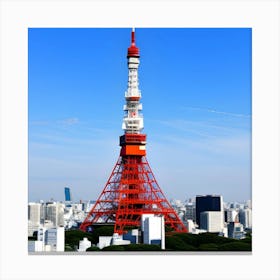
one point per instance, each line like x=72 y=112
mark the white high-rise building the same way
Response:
x=33 y=217
x=60 y=214
x=34 y=212
x=154 y=230
x=55 y=213
x=212 y=221
x=245 y=217
x=51 y=213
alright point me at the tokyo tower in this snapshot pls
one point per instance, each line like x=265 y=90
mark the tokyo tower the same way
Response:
x=132 y=189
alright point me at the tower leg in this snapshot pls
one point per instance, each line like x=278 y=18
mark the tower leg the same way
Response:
x=130 y=192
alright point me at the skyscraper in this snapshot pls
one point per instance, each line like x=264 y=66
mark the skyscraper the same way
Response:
x=245 y=217
x=34 y=217
x=208 y=203
x=34 y=212
x=55 y=213
x=67 y=192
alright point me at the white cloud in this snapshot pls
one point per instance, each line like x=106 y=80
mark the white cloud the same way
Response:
x=218 y=112
x=69 y=121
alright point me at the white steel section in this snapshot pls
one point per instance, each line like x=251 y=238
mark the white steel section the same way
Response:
x=132 y=86
x=133 y=125
x=133 y=120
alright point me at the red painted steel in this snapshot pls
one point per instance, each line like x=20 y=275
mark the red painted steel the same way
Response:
x=133 y=51
x=133 y=150
x=131 y=191
x=132 y=98
x=132 y=138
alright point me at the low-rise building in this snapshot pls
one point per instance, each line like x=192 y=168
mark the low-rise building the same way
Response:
x=84 y=245
x=236 y=230
x=55 y=238
x=48 y=239
x=116 y=239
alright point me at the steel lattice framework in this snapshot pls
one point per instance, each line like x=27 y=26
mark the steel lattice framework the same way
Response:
x=132 y=189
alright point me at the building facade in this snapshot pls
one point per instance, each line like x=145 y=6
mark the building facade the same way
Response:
x=212 y=221
x=55 y=213
x=208 y=203
x=54 y=237
x=245 y=217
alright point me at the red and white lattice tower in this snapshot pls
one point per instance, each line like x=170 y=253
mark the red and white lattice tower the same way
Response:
x=132 y=189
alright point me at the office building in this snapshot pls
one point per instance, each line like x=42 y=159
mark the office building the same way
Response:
x=55 y=238
x=208 y=203
x=48 y=240
x=34 y=217
x=153 y=230
x=211 y=221
x=68 y=196
x=236 y=230
x=34 y=212
x=55 y=213
x=190 y=211
x=245 y=217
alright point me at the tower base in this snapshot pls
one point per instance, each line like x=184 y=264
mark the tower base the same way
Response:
x=130 y=192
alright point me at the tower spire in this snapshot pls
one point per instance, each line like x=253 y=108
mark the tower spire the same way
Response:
x=133 y=51
x=133 y=36
x=133 y=120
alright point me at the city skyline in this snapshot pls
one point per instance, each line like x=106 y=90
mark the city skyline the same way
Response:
x=196 y=89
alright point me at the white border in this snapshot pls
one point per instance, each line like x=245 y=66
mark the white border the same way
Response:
x=262 y=16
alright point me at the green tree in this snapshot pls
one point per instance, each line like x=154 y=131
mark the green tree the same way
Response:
x=142 y=247
x=173 y=242
x=114 y=248
x=68 y=248
x=208 y=247
x=101 y=231
x=236 y=246
x=92 y=248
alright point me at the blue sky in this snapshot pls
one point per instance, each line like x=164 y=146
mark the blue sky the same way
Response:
x=196 y=95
